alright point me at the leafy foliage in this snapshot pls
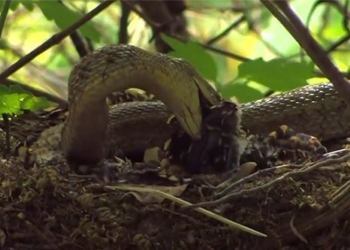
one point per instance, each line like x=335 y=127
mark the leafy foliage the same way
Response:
x=278 y=74
x=195 y=54
x=28 y=4
x=241 y=91
x=53 y=10
x=4 y=11
x=253 y=77
x=14 y=100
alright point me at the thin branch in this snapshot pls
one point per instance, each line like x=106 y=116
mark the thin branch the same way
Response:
x=338 y=43
x=226 y=31
x=55 y=39
x=78 y=41
x=123 y=36
x=154 y=25
x=312 y=10
x=267 y=44
x=39 y=93
x=6 y=120
x=302 y=35
x=225 y=53
x=4 y=12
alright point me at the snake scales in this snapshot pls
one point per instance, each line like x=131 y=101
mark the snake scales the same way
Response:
x=90 y=125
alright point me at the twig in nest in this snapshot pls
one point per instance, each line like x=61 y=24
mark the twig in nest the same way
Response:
x=251 y=177
x=275 y=182
x=339 y=194
x=226 y=189
x=183 y=202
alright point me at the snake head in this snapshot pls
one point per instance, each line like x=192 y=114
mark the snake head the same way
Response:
x=202 y=96
x=205 y=97
x=206 y=92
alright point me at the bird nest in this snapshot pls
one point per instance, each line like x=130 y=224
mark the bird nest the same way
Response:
x=288 y=207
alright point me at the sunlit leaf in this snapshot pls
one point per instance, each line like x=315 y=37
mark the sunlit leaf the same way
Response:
x=64 y=17
x=217 y=4
x=13 y=100
x=3 y=44
x=28 y=4
x=195 y=54
x=14 y=4
x=241 y=91
x=34 y=103
x=277 y=74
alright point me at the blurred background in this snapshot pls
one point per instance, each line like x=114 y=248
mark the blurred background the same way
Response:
x=245 y=28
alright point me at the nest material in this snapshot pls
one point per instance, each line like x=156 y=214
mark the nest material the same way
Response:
x=52 y=208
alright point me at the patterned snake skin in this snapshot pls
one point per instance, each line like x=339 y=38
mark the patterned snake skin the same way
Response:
x=90 y=126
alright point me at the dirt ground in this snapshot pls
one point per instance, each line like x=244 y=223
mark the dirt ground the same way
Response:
x=297 y=207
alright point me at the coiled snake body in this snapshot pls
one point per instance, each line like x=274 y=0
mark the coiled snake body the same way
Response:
x=90 y=126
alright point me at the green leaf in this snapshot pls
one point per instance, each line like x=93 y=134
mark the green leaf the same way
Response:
x=14 y=4
x=13 y=100
x=3 y=44
x=3 y=14
x=195 y=54
x=28 y=4
x=64 y=17
x=214 y=4
x=9 y=102
x=277 y=74
x=174 y=43
x=35 y=104
x=14 y=89
x=241 y=91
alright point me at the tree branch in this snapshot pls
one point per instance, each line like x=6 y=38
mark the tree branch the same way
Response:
x=55 y=39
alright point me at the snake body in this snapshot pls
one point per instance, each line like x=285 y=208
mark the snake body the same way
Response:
x=90 y=126
x=314 y=109
x=119 y=67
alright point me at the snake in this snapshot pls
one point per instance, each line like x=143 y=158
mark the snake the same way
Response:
x=92 y=126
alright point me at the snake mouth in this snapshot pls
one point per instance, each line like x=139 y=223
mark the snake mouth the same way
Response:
x=220 y=146
x=191 y=121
